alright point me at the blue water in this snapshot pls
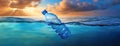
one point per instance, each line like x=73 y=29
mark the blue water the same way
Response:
x=40 y=34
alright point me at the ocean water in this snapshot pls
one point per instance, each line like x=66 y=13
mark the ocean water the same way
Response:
x=85 y=31
x=40 y=34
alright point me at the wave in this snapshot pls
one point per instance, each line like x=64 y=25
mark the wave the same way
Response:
x=95 y=21
x=104 y=22
x=96 y=24
x=89 y=22
x=19 y=20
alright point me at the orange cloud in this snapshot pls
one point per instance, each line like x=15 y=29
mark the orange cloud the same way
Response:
x=24 y=3
x=16 y=7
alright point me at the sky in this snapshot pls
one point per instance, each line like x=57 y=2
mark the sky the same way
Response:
x=46 y=2
x=86 y=7
x=59 y=7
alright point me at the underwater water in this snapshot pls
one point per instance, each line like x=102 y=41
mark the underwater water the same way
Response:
x=85 y=32
x=40 y=34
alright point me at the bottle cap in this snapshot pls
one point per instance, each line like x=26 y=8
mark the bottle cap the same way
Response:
x=44 y=12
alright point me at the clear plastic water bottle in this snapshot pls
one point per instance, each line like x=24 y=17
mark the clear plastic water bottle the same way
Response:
x=56 y=24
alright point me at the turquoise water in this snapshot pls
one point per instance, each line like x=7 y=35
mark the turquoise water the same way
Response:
x=40 y=34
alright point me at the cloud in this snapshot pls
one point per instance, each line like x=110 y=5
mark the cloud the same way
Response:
x=71 y=6
x=4 y=3
x=16 y=7
x=19 y=3
x=24 y=3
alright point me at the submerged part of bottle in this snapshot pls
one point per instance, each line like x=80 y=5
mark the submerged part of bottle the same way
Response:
x=56 y=24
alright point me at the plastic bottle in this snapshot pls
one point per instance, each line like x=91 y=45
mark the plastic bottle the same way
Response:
x=55 y=23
